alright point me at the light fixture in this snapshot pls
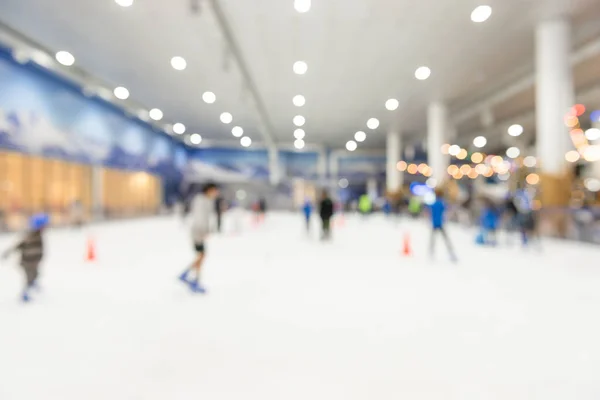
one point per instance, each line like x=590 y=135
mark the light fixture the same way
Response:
x=351 y=145
x=179 y=128
x=237 y=131
x=592 y=134
x=360 y=136
x=156 y=114
x=392 y=104
x=591 y=153
x=195 y=138
x=401 y=166
x=299 y=134
x=515 y=130
x=532 y=179
x=299 y=144
x=373 y=123
x=504 y=177
x=178 y=63
x=481 y=14
x=209 y=97
x=121 y=93
x=299 y=100
x=226 y=118
x=530 y=161
x=513 y=152
x=422 y=73
x=246 y=141
x=65 y=58
x=462 y=154
x=454 y=150
x=572 y=156
x=479 y=142
x=124 y=3
x=592 y=184
x=300 y=67
x=299 y=120
x=302 y=6
x=476 y=158
x=343 y=183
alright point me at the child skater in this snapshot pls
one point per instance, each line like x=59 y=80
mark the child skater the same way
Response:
x=326 y=212
x=437 y=213
x=32 y=252
x=202 y=212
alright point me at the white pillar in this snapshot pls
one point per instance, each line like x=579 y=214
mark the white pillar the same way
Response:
x=393 y=175
x=334 y=166
x=436 y=134
x=372 y=188
x=322 y=165
x=274 y=170
x=554 y=93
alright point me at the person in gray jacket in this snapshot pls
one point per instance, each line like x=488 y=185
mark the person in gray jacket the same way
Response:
x=202 y=213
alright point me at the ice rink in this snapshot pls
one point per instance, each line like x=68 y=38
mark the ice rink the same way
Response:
x=288 y=317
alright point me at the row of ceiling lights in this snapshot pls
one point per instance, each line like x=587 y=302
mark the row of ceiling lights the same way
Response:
x=178 y=63
x=479 y=14
x=300 y=68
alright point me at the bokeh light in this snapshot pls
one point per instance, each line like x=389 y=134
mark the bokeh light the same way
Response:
x=412 y=169
x=454 y=150
x=401 y=166
x=465 y=169
x=592 y=134
x=476 y=158
x=533 y=179
x=591 y=153
x=572 y=156
x=473 y=174
x=513 y=152
x=578 y=110
x=452 y=169
x=462 y=154
x=445 y=148
x=592 y=184
x=422 y=168
x=571 y=121
x=530 y=161
x=479 y=142
x=515 y=130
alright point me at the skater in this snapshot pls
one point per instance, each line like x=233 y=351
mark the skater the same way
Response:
x=365 y=205
x=201 y=211
x=326 y=212
x=262 y=208
x=220 y=208
x=32 y=252
x=437 y=212
x=490 y=218
x=307 y=209
x=77 y=213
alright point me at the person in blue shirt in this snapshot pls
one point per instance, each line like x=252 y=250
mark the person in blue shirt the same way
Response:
x=307 y=209
x=490 y=218
x=437 y=212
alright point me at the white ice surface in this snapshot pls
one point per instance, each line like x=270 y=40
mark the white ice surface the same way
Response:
x=288 y=317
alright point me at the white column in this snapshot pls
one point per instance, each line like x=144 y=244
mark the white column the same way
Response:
x=334 y=166
x=322 y=165
x=436 y=134
x=372 y=188
x=554 y=93
x=274 y=169
x=393 y=175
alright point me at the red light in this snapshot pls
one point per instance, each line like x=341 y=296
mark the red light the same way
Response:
x=578 y=110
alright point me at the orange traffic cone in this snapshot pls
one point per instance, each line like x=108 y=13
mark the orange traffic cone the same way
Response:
x=91 y=250
x=406 y=248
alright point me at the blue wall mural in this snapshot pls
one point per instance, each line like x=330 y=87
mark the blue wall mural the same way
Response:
x=43 y=114
x=300 y=164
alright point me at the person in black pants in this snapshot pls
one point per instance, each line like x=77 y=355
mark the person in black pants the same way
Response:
x=326 y=212
x=219 y=208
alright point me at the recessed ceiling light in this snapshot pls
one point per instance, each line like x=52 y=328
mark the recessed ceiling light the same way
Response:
x=178 y=63
x=513 y=152
x=121 y=93
x=481 y=14
x=237 y=131
x=351 y=145
x=300 y=67
x=124 y=3
x=515 y=130
x=299 y=120
x=209 y=97
x=302 y=6
x=156 y=114
x=299 y=144
x=299 y=100
x=65 y=58
x=246 y=141
x=392 y=104
x=479 y=142
x=422 y=73
x=373 y=123
x=226 y=118
x=299 y=134
x=195 y=138
x=179 y=128
x=360 y=136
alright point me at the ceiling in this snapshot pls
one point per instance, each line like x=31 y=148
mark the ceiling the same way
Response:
x=359 y=54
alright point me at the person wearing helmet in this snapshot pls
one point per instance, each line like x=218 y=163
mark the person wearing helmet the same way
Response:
x=32 y=252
